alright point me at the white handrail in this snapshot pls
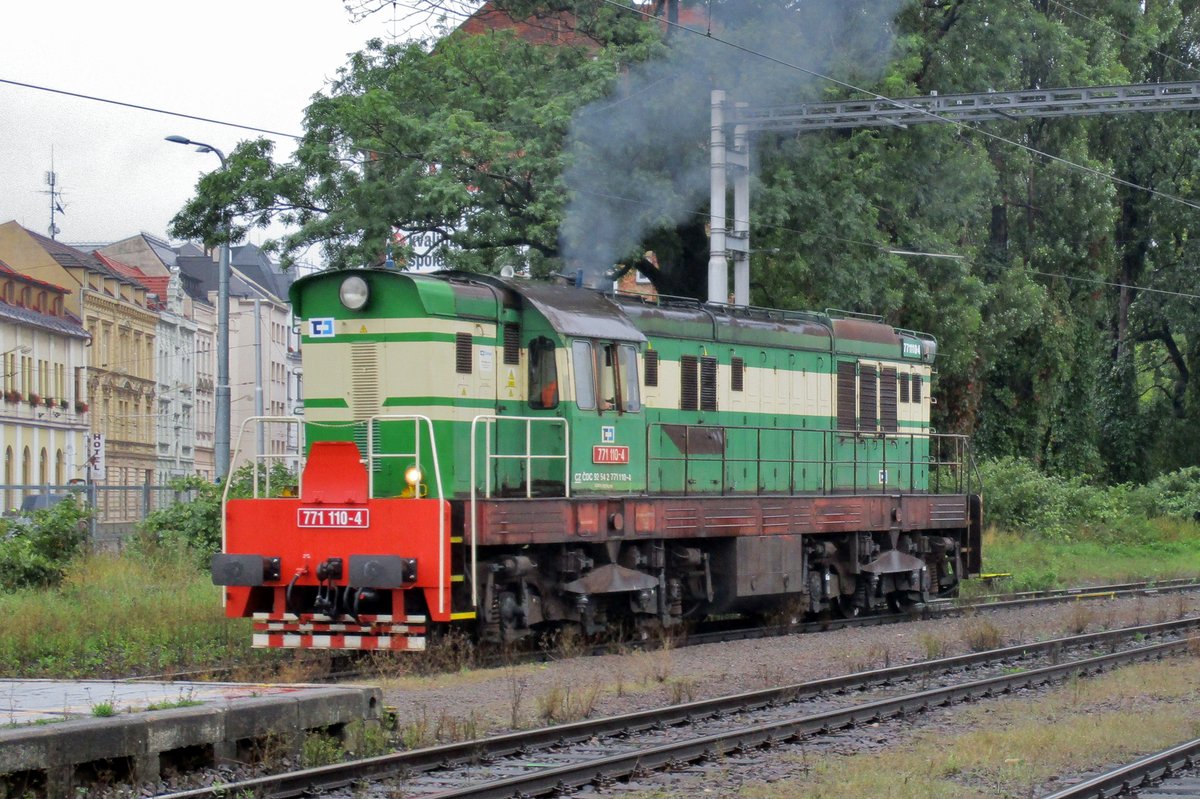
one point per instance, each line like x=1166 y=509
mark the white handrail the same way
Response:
x=528 y=457
x=416 y=419
x=298 y=456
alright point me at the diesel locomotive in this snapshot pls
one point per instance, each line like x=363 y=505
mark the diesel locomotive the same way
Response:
x=511 y=456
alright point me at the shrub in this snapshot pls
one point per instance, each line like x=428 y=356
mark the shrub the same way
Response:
x=196 y=524
x=1018 y=497
x=35 y=549
x=1174 y=494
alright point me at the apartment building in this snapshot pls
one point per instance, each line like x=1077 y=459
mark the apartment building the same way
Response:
x=43 y=393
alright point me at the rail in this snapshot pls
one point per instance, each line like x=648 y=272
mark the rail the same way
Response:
x=528 y=457
x=837 y=459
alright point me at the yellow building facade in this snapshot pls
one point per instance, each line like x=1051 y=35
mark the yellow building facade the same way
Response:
x=43 y=401
x=120 y=382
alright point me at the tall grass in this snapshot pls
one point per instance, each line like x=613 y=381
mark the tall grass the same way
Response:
x=120 y=615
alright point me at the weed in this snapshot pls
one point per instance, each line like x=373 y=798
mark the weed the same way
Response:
x=451 y=729
x=934 y=646
x=880 y=655
x=104 y=709
x=273 y=750
x=185 y=699
x=320 y=749
x=564 y=703
x=303 y=668
x=365 y=739
x=417 y=733
x=174 y=703
x=1080 y=618
x=660 y=663
x=423 y=731
x=566 y=642
x=981 y=634
x=619 y=685
x=173 y=621
x=768 y=674
x=683 y=689
x=450 y=653
x=516 y=694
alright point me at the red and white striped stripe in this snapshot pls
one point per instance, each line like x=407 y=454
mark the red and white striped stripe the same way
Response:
x=317 y=631
x=410 y=643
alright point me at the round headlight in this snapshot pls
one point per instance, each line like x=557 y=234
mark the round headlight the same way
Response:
x=412 y=475
x=354 y=292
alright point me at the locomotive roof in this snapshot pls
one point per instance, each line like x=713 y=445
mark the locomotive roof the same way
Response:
x=575 y=312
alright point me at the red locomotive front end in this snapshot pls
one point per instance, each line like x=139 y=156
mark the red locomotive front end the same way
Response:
x=334 y=568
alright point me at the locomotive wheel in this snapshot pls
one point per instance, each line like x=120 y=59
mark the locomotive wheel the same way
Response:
x=845 y=607
x=906 y=601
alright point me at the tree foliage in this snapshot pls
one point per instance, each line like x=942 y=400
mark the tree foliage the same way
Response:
x=1069 y=329
x=460 y=143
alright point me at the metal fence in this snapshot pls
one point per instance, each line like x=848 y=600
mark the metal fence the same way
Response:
x=117 y=510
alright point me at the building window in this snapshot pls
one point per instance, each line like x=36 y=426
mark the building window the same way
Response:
x=627 y=376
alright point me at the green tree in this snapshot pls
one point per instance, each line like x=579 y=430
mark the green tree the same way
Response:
x=508 y=152
x=461 y=143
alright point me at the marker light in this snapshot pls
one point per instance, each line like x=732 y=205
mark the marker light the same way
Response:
x=354 y=293
x=412 y=475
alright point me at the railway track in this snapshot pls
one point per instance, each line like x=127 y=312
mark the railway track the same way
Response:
x=547 y=760
x=1171 y=774
x=341 y=666
x=946 y=607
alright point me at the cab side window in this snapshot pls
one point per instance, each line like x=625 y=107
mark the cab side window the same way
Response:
x=606 y=376
x=627 y=364
x=543 y=374
x=585 y=378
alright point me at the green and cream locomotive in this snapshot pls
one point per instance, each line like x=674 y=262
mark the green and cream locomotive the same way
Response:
x=512 y=456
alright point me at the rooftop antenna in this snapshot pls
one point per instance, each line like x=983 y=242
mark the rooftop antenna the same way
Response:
x=55 y=195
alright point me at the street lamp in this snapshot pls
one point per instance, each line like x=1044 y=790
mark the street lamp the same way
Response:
x=221 y=439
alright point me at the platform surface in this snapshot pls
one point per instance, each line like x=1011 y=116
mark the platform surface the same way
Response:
x=44 y=701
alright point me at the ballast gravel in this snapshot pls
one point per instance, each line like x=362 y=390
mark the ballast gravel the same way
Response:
x=441 y=697
x=476 y=701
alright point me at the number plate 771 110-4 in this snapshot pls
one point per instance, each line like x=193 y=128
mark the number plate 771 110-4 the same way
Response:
x=333 y=517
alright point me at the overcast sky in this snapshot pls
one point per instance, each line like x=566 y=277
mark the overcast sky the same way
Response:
x=247 y=62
